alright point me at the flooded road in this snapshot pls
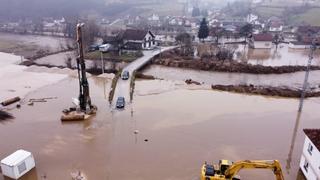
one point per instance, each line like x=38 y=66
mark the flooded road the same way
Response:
x=178 y=129
x=276 y=57
x=294 y=80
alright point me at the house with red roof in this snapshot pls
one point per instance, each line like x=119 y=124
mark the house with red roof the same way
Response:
x=261 y=41
x=310 y=158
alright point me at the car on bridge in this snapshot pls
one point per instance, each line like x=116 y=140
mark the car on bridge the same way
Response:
x=125 y=75
x=120 y=103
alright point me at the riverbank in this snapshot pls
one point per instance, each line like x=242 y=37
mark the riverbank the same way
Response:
x=266 y=91
x=229 y=66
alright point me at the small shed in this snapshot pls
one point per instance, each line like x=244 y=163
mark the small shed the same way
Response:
x=17 y=164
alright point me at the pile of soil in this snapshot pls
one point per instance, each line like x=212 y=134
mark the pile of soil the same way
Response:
x=143 y=76
x=265 y=90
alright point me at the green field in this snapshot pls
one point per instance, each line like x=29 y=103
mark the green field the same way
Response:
x=267 y=12
x=310 y=17
x=162 y=9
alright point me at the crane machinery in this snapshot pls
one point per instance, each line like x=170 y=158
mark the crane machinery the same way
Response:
x=227 y=170
x=83 y=103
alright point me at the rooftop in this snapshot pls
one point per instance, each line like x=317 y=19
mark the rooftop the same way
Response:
x=134 y=34
x=262 y=37
x=314 y=136
x=15 y=158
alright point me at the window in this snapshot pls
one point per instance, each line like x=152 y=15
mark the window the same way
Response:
x=310 y=148
x=22 y=167
x=306 y=165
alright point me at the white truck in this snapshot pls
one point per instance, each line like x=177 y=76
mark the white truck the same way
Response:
x=17 y=164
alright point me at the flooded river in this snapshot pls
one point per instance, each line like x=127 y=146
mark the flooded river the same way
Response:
x=276 y=57
x=294 y=80
x=178 y=129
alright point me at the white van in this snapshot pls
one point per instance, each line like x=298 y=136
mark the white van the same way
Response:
x=104 y=47
x=17 y=164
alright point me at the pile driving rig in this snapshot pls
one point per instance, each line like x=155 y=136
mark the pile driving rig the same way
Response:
x=83 y=108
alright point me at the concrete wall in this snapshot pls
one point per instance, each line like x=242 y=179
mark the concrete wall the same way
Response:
x=293 y=46
x=312 y=172
x=262 y=44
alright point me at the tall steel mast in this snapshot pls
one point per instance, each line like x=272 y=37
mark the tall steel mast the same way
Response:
x=84 y=95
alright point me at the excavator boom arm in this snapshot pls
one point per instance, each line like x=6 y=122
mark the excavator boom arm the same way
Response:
x=237 y=166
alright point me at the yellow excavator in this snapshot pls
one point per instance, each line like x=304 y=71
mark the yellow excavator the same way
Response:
x=227 y=170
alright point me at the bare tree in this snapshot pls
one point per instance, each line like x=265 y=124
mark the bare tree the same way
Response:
x=225 y=53
x=277 y=39
x=217 y=32
x=185 y=41
x=91 y=31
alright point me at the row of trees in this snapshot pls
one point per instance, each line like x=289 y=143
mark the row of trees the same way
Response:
x=204 y=32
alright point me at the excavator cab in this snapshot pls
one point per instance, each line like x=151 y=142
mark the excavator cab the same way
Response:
x=224 y=165
x=215 y=172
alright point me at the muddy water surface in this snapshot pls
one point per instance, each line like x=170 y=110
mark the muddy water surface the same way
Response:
x=177 y=131
x=224 y=78
x=276 y=57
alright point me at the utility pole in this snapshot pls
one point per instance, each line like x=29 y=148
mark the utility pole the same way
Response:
x=102 y=62
x=313 y=47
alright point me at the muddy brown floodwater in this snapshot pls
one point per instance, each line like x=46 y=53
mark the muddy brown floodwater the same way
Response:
x=276 y=57
x=177 y=131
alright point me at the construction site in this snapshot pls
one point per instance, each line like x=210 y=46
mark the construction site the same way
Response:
x=82 y=105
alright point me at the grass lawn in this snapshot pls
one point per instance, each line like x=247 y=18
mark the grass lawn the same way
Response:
x=310 y=17
x=267 y=12
x=165 y=8
x=96 y=55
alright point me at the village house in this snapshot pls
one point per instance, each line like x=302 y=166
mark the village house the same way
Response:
x=134 y=39
x=307 y=30
x=261 y=41
x=275 y=24
x=303 y=43
x=276 y=27
x=252 y=18
x=310 y=158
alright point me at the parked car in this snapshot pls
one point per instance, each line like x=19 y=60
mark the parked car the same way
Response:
x=125 y=75
x=104 y=47
x=120 y=103
x=93 y=48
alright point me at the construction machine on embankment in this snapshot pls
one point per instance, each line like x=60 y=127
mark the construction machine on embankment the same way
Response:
x=227 y=170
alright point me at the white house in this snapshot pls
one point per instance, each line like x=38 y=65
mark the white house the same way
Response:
x=134 y=39
x=276 y=27
x=154 y=17
x=310 y=158
x=252 y=18
x=261 y=41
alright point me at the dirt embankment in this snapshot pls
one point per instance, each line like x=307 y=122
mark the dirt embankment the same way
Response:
x=91 y=70
x=265 y=90
x=173 y=60
x=144 y=76
x=41 y=53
